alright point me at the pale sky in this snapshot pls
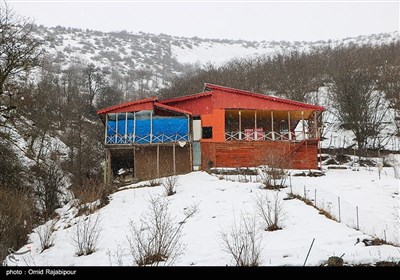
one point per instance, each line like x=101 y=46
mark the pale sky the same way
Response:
x=248 y=20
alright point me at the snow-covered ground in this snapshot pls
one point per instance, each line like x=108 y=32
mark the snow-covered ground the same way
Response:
x=220 y=202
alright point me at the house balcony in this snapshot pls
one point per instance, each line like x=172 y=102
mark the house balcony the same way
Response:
x=145 y=127
x=263 y=125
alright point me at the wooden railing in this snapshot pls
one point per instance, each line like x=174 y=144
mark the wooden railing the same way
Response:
x=266 y=136
x=145 y=139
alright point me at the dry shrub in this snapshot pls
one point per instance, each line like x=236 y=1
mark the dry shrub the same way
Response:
x=116 y=256
x=86 y=235
x=243 y=242
x=154 y=182
x=157 y=238
x=326 y=214
x=92 y=190
x=270 y=209
x=170 y=184
x=275 y=174
x=16 y=211
x=45 y=235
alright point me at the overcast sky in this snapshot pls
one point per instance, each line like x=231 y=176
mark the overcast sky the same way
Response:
x=248 y=20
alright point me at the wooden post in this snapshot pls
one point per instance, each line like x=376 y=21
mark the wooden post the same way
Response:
x=255 y=125
x=134 y=161
x=126 y=127
x=191 y=156
x=105 y=169
x=272 y=126
x=108 y=163
x=320 y=154
x=116 y=129
x=105 y=133
x=158 y=161
x=316 y=125
x=151 y=126
x=134 y=127
x=189 y=130
x=289 y=129
x=173 y=154
x=302 y=122
x=240 y=125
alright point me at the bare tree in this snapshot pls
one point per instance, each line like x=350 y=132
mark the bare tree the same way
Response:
x=243 y=242
x=95 y=81
x=19 y=52
x=16 y=219
x=157 y=239
x=353 y=84
x=86 y=235
x=49 y=187
x=270 y=209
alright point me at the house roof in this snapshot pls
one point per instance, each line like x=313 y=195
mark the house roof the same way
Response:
x=208 y=92
x=124 y=105
x=263 y=96
x=170 y=108
x=209 y=87
x=153 y=100
x=186 y=97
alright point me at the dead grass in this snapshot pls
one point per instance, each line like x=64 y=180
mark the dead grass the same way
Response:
x=310 y=203
x=92 y=190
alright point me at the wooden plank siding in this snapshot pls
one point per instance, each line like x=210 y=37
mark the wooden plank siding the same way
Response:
x=255 y=153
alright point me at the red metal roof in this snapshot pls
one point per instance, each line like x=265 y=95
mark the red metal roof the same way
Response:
x=126 y=104
x=170 y=108
x=186 y=97
x=153 y=100
x=242 y=92
x=263 y=96
x=162 y=103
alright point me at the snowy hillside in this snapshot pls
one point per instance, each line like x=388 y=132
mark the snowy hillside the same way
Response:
x=164 y=55
x=220 y=202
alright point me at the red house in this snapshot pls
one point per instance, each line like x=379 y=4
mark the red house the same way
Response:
x=220 y=127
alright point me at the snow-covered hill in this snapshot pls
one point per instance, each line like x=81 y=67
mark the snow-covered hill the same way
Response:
x=221 y=202
x=163 y=55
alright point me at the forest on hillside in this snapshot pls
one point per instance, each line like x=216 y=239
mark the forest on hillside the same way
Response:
x=54 y=111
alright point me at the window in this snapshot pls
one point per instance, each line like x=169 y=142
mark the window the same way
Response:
x=207 y=132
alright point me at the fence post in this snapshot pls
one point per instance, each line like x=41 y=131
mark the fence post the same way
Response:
x=309 y=250
x=315 y=197
x=339 y=207
x=290 y=180
x=358 y=225
x=305 y=194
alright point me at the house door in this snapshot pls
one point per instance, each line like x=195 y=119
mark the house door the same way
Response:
x=196 y=155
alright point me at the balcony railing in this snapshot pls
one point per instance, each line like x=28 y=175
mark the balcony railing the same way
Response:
x=146 y=139
x=266 y=136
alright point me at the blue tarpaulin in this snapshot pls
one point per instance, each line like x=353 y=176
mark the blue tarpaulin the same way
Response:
x=165 y=129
